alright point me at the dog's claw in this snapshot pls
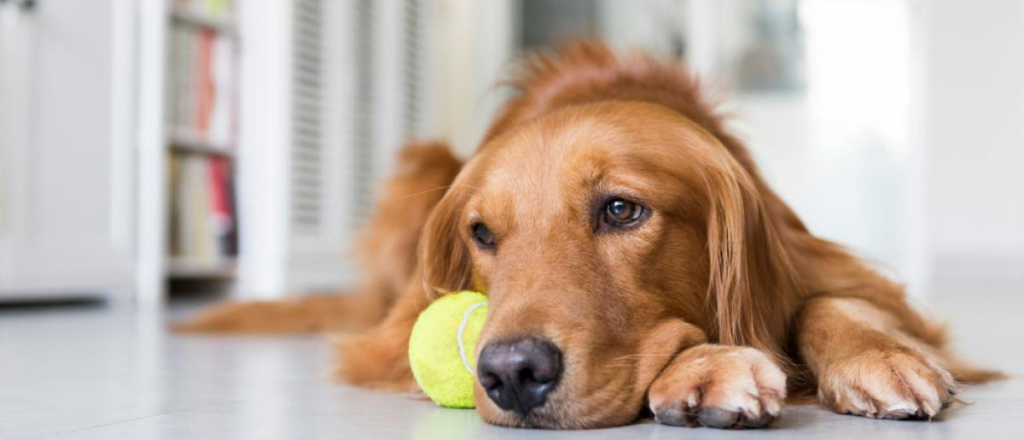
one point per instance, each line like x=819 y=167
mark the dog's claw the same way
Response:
x=718 y=418
x=719 y=387
x=760 y=422
x=674 y=415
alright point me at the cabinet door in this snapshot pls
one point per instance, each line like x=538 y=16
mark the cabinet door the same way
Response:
x=66 y=158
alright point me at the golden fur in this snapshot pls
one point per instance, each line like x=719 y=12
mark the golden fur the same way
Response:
x=386 y=249
x=699 y=314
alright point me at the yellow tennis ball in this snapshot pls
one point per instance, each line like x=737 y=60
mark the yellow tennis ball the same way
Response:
x=443 y=360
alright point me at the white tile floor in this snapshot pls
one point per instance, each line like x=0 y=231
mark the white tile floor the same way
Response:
x=100 y=373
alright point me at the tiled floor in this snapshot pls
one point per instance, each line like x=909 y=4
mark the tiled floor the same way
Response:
x=101 y=373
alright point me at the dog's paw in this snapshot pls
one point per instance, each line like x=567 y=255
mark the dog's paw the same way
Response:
x=719 y=387
x=896 y=385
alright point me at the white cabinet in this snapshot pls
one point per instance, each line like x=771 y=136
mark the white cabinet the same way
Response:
x=67 y=178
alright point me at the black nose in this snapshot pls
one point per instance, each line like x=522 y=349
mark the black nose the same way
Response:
x=519 y=374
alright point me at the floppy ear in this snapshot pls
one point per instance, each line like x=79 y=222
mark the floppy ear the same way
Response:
x=444 y=257
x=752 y=276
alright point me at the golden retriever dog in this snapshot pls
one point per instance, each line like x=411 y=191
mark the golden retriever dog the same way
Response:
x=636 y=263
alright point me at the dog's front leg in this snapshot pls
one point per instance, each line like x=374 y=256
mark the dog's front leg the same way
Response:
x=719 y=386
x=868 y=364
x=379 y=358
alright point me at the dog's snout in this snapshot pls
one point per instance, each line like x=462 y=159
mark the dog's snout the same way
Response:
x=519 y=374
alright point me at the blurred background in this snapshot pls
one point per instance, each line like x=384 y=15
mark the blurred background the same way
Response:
x=155 y=149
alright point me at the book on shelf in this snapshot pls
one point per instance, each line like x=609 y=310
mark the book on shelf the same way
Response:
x=209 y=9
x=203 y=213
x=201 y=84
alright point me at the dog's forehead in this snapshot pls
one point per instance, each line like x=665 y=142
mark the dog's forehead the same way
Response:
x=572 y=143
x=584 y=143
x=542 y=160
x=558 y=163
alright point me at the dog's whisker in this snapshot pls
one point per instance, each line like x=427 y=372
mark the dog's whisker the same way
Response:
x=419 y=193
x=442 y=187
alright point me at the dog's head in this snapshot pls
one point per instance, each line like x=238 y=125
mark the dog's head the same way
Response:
x=609 y=237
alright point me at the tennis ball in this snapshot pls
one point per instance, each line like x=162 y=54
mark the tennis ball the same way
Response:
x=443 y=360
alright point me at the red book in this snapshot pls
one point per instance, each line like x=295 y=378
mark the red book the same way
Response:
x=204 y=81
x=220 y=205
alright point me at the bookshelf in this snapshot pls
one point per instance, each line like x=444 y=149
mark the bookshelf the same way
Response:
x=191 y=15
x=201 y=114
x=186 y=141
x=329 y=91
x=185 y=269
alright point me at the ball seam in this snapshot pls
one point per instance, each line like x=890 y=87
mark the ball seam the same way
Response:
x=462 y=329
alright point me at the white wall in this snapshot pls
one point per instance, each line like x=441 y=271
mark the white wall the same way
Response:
x=474 y=43
x=840 y=149
x=975 y=128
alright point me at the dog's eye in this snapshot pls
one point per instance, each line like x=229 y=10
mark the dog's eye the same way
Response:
x=482 y=235
x=619 y=213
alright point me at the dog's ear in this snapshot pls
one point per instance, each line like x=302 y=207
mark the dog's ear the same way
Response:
x=752 y=278
x=444 y=257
